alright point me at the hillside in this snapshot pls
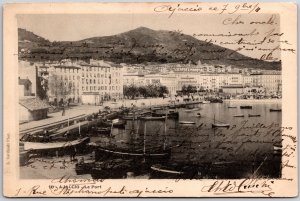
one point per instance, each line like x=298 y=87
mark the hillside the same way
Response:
x=138 y=46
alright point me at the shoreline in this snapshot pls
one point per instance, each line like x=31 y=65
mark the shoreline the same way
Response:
x=279 y=101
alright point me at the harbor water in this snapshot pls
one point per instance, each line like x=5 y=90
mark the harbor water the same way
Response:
x=196 y=150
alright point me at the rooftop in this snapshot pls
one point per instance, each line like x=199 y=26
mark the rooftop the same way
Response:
x=24 y=81
x=33 y=103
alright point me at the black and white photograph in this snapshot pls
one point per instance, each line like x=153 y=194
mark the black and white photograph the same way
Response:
x=167 y=95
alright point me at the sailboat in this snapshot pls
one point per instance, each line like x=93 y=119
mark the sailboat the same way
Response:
x=214 y=125
x=154 y=154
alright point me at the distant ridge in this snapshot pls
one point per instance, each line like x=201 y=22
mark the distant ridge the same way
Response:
x=138 y=46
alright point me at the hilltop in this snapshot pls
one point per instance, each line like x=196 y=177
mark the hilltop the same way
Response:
x=139 y=46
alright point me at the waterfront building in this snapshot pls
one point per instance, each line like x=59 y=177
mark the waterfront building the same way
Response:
x=32 y=108
x=101 y=80
x=233 y=90
x=170 y=81
x=271 y=81
x=63 y=80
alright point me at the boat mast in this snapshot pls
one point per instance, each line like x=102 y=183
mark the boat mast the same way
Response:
x=145 y=129
x=165 y=131
x=112 y=124
x=79 y=127
x=214 y=118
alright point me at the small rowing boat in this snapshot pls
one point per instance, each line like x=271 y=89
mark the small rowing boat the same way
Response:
x=245 y=107
x=238 y=115
x=173 y=171
x=275 y=110
x=187 y=122
x=54 y=145
x=253 y=115
x=215 y=125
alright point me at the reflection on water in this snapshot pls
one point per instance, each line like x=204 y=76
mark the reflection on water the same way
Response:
x=244 y=149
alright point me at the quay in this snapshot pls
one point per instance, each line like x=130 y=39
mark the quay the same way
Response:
x=82 y=112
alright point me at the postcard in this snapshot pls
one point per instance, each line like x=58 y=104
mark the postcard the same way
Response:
x=150 y=100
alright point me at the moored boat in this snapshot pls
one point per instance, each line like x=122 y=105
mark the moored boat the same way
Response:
x=277 y=149
x=253 y=115
x=232 y=107
x=238 y=115
x=130 y=117
x=173 y=171
x=275 y=110
x=102 y=130
x=187 y=122
x=133 y=154
x=171 y=114
x=153 y=118
x=245 y=107
x=54 y=145
x=215 y=125
x=116 y=123
x=112 y=169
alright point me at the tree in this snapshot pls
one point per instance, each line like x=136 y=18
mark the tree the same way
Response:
x=163 y=90
x=130 y=91
x=143 y=91
x=186 y=90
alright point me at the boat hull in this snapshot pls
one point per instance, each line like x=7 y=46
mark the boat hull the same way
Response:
x=220 y=125
x=173 y=171
x=246 y=107
x=275 y=110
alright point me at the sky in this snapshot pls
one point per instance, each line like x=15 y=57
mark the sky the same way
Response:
x=72 y=27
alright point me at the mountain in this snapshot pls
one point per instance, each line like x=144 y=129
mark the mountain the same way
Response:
x=142 y=45
x=30 y=40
